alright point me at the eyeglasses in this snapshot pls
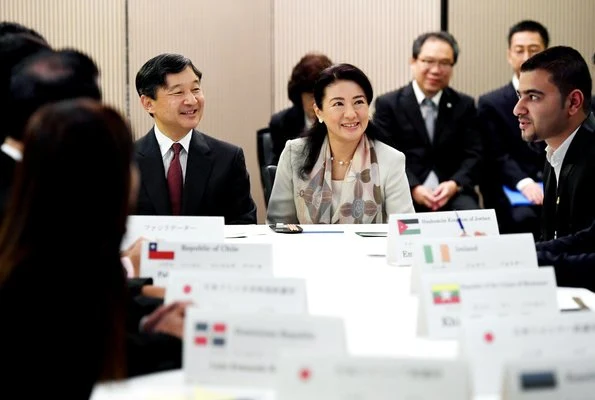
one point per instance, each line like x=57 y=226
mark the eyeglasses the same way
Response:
x=442 y=64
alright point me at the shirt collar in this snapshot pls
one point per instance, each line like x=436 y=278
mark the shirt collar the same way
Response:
x=515 y=82
x=556 y=157
x=420 y=96
x=165 y=142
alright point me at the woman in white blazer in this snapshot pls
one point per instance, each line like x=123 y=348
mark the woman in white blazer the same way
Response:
x=340 y=172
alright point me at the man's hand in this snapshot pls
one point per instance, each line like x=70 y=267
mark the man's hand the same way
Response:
x=533 y=192
x=444 y=192
x=424 y=196
x=168 y=319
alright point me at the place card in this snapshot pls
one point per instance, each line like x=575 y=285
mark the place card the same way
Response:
x=221 y=292
x=159 y=258
x=490 y=343
x=405 y=229
x=448 y=299
x=242 y=349
x=513 y=251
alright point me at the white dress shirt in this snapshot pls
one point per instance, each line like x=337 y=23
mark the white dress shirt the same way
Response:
x=167 y=153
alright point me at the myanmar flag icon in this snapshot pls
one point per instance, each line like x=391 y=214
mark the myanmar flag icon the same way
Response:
x=446 y=294
x=408 y=226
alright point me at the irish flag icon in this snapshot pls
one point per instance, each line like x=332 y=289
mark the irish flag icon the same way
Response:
x=446 y=293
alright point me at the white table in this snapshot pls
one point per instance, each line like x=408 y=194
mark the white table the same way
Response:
x=347 y=276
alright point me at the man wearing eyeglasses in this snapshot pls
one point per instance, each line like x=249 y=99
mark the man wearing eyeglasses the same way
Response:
x=509 y=160
x=436 y=127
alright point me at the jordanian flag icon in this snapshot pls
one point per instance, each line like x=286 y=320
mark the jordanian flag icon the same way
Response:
x=210 y=334
x=446 y=294
x=408 y=226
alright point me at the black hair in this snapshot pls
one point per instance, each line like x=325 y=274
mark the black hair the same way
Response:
x=530 y=26
x=443 y=36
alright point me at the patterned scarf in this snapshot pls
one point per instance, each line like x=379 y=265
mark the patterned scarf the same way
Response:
x=361 y=197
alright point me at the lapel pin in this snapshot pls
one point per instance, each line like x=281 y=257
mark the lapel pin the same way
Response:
x=448 y=105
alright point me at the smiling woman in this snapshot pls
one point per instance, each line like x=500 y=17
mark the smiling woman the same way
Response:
x=340 y=172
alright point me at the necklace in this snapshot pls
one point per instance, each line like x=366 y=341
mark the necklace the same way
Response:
x=341 y=163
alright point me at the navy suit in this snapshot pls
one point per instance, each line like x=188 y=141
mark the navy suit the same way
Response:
x=286 y=125
x=216 y=182
x=455 y=152
x=508 y=159
x=568 y=204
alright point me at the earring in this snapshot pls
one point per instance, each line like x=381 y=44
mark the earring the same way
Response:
x=320 y=120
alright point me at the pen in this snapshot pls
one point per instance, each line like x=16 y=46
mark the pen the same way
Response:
x=460 y=223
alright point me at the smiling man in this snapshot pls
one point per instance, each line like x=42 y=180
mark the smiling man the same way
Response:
x=435 y=126
x=554 y=106
x=183 y=171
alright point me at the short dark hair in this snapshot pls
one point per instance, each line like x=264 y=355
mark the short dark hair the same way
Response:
x=318 y=131
x=48 y=77
x=153 y=73
x=568 y=70
x=444 y=36
x=8 y=27
x=304 y=74
x=529 y=26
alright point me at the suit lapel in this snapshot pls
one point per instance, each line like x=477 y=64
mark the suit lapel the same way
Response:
x=413 y=112
x=444 y=115
x=198 y=171
x=151 y=167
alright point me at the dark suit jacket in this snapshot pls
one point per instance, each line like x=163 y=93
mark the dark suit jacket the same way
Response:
x=515 y=159
x=216 y=182
x=455 y=151
x=573 y=258
x=576 y=189
x=286 y=125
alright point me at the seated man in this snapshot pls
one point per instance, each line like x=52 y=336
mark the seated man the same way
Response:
x=436 y=128
x=293 y=121
x=183 y=171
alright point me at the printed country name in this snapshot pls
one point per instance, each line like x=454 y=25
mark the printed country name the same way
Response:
x=493 y=285
x=282 y=334
x=387 y=371
x=450 y=322
x=239 y=367
x=451 y=220
x=225 y=248
x=466 y=248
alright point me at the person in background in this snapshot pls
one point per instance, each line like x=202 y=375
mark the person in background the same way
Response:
x=435 y=127
x=340 y=172
x=183 y=171
x=63 y=226
x=294 y=121
x=509 y=160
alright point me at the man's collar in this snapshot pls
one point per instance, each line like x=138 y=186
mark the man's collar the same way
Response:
x=515 y=82
x=165 y=142
x=420 y=96
x=13 y=152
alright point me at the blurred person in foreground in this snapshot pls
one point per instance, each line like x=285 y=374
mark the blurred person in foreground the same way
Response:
x=340 y=172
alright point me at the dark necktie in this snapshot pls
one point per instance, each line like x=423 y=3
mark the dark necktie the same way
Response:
x=175 y=181
x=429 y=114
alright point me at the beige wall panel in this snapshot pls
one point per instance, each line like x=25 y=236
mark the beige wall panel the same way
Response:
x=481 y=28
x=96 y=27
x=229 y=41
x=374 y=35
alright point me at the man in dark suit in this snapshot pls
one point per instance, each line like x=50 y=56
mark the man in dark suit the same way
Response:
x=555 y=106
x=183 y=171
x=443 y=153
x=509 y=160
x=293 y=121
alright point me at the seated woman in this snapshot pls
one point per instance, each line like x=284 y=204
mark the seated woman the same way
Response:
x=62 y=285
x=340 y=172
